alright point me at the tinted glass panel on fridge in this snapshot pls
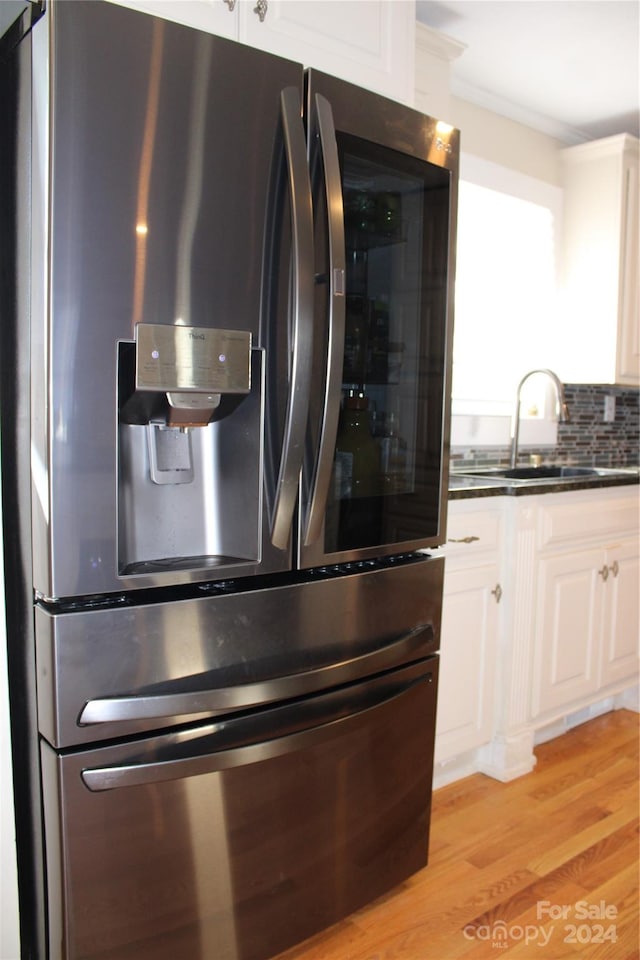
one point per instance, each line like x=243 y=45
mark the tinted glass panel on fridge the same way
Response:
x=386 y=473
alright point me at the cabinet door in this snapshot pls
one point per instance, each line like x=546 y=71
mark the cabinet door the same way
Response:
x=214 y=16
x=367 y=42
x=600 y=284
x=621 y=613
x=628 y=358
x=467 y=660
x=569 y=609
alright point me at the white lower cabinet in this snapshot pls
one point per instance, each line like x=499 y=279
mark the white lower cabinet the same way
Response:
x=467 y=669
x=568 y=623
x=586 y=616
x=621 y=612
x=562 y=644
x=587 y=628
x=468 y=651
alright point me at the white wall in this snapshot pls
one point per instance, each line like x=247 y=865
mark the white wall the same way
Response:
x=506 y=142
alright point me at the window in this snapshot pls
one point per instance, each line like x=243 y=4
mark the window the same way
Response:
x=505 y=309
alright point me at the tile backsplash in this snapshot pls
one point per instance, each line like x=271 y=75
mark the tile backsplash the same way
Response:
x=586 y=439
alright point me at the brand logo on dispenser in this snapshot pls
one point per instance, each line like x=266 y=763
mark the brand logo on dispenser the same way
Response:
x=196 y=336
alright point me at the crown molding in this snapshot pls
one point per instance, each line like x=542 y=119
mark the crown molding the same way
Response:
x=438 y=44
x=605 y=147
x=513 y=111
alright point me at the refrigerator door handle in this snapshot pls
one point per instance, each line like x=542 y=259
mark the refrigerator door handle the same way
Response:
x=141 y=707
x=323 y=129
x=302 y=283
x=179 y=767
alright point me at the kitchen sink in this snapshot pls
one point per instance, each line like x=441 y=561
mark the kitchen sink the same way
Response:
x=538 y=473
x=542 y=473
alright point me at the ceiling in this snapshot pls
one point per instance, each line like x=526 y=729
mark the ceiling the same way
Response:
x=566 y=67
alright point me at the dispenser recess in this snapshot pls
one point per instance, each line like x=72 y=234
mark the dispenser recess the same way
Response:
x=179 y=374
x=189 y=450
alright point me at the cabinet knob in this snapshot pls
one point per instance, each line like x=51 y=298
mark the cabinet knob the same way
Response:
x=604 y=573
x=464 y=540
x=230 y=3
x=497 y=592
x=614 y=568
x=261 y=9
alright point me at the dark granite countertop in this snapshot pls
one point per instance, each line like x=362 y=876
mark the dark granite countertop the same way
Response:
x=463 y=486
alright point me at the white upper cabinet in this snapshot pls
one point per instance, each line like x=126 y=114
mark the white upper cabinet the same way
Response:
x=214 y=16
x=600 y=301
x=367 y=42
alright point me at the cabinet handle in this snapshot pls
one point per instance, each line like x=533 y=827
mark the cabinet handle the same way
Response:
x=604 y=573
x=464 y=540
x=261 y=9
x=497 y=592
x=615 y=568
x=230 y=3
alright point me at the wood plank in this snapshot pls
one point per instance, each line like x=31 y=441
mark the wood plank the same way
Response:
x=605 y=858
x=583 y=839
x=600 y=926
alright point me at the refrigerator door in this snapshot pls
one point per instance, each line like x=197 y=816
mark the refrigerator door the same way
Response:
x=384 y=181
x=222 y=865
x=122 y=670
x=157 y=148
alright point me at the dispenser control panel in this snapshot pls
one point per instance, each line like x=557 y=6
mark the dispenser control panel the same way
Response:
x=192 y=359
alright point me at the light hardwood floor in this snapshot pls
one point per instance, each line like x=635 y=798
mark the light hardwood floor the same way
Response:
x=545 y=866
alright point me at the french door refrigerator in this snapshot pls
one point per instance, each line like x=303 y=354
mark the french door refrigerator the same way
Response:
x=225 y=379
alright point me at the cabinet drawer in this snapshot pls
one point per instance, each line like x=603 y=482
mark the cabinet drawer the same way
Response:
x=559 y=523
x=472 y=531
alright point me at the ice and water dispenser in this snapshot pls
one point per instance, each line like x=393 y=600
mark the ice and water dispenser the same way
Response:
x=190 y=409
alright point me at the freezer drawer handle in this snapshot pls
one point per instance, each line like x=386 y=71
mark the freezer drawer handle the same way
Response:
x=302 y=288
x=128 y=708
x=99 y=779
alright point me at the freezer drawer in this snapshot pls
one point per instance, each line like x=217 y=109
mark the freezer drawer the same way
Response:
x=132 y=668
x=234 y=840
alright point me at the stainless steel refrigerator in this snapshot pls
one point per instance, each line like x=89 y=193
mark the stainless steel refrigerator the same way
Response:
x=227 y=309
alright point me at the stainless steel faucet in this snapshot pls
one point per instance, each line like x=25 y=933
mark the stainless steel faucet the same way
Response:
x=562 y=411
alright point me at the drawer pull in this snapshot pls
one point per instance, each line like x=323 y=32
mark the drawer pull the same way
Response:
x=464 y=540
x=214 y=700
